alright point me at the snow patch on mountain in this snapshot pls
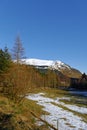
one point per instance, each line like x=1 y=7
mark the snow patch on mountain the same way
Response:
x=49 y=63
x=38 y=62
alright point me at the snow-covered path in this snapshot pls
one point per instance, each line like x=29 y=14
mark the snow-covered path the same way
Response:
x=66 y=119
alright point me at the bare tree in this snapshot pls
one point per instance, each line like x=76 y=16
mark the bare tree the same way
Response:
x=18 y=50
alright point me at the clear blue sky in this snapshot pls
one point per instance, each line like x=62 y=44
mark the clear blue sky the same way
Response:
x=49 y=29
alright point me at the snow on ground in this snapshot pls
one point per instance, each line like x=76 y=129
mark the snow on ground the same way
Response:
x=77 y=109
x=66 y=120
x=82 y=110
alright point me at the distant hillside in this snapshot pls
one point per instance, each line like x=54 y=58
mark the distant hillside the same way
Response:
x=74 y=73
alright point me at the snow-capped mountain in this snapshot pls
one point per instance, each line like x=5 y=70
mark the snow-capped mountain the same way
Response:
x=47 y=64
x=57 y=65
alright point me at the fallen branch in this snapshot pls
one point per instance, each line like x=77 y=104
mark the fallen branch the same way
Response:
x=51 y=126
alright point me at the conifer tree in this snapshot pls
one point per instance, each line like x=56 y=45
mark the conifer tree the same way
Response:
x=5 y=60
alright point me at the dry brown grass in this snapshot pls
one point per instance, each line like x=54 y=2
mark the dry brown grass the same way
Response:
x=19 y=115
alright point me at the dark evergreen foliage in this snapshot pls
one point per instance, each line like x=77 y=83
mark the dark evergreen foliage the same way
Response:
x=5 y=60
x=79 y=84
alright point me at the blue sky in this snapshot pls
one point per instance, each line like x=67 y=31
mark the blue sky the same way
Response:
x=49 y=29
